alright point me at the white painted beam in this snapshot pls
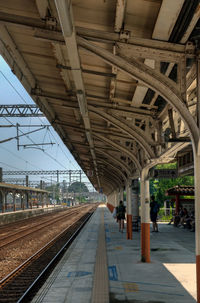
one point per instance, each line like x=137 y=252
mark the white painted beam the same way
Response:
x=166 y=20
x=120 y=12
x=162 y=31
x=64 y=8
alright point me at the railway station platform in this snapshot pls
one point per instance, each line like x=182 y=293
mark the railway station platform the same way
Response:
x=103 y=266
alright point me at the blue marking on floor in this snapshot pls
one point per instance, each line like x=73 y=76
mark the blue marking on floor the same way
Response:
x=78 y=274
x=108 y=239
x=112 y=273
x=149 y=283
x=152 y=291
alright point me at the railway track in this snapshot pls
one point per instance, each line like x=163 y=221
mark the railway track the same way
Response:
x=20 y=284
x=29 y=230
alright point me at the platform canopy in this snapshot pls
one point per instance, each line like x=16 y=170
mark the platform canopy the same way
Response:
x=19 y=188
x=116 y=79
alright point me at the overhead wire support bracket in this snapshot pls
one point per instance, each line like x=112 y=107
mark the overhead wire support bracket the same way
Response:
x=34 y=145
x=16 y=137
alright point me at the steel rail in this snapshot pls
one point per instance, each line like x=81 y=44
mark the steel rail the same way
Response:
x=30 y=261
x=40 y=226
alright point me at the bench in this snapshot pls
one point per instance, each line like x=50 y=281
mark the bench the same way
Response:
x=136 y=223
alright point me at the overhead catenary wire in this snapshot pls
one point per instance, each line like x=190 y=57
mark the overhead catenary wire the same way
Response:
x=41 y=122
x=35 y=143
x=17 y=156
x=58 y=145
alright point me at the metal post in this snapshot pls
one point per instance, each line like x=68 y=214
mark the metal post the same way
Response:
x=22 y=200
x=27 y=194
x=17 y=126
x=116 y=201
x=135 y=199
x=6 y=206
x=197 y=218
x=198 y=91
x=145 y=219
x=128 y=210
x=121 y=194
x=70 y=177
x=57 y=176
x=1 y=174
x=3 y=201
x=14 y=200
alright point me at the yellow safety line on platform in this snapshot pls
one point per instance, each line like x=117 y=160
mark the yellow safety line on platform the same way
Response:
x=100 y=292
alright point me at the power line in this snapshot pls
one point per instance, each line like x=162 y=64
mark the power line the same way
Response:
x=13 y=87
x=35 y=166
x=61 y=149
x=41 y=122
x=9 y=165
x=35 y=143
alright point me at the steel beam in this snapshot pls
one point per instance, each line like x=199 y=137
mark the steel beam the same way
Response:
x=41 y=172
x=154 y=80
x=20 y=110
x=136 y=133
x=40 y=29
x=121 y=148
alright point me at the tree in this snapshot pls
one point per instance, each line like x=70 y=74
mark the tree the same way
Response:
x=158 y=187
x=54 y=191
x=78 y=187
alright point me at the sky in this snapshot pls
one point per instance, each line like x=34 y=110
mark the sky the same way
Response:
x=54 y=157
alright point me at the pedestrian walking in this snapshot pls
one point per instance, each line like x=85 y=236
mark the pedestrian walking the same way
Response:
x=121 y=215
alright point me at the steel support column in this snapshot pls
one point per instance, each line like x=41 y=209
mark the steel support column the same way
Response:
x=14 y=200
x=22 y=200
x=135 y=199
x=121 y=194
x=197 y=219
x=128 y=210
x=145 y=220
x=116 y=201
x=3 y=195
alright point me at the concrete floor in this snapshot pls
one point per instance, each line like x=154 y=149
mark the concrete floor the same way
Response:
x=170 y=277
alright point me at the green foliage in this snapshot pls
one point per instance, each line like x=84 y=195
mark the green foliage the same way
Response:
x=78 y=187
x=158 y=187
x=163 y=217
x=54 y=191
x=167 y=166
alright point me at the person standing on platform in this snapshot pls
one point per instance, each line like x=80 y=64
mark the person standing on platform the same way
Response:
x=121 y=215
x=154 y=209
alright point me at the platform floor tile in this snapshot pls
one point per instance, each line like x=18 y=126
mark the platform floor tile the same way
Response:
x=133 y=281
x=72 y=279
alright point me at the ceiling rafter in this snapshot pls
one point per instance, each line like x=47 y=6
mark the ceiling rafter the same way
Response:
x=121 y=148
x=154 y=80
x=66 y=21
x=108 y=164
x=39 y=26
x=115 y=161
x=133 y=131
